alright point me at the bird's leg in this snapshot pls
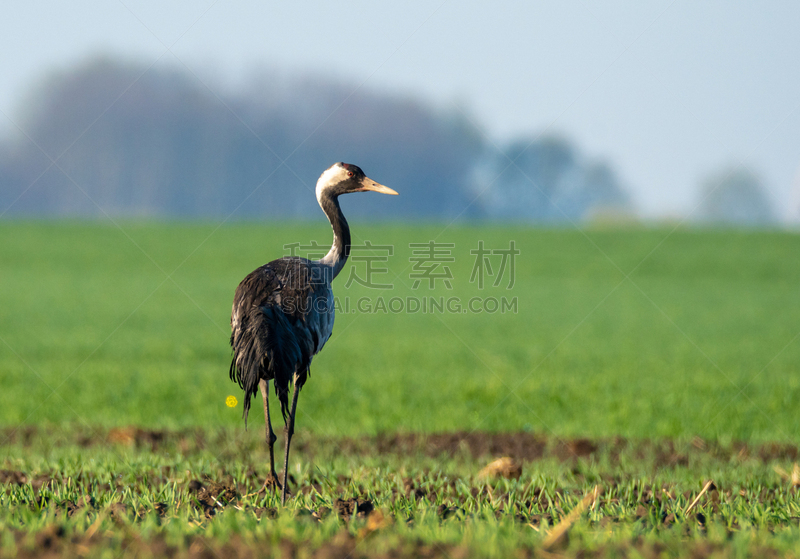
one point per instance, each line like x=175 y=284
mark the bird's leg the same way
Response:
x=289 y=433
x=272 y=479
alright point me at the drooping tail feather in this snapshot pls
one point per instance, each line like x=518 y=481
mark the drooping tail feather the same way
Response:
x=266 y=346
x=250 y=359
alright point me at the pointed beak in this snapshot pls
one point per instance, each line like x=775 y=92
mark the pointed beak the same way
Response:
x=369 y=184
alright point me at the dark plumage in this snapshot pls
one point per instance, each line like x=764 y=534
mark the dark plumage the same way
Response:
x=276 y=328
x=283 y=312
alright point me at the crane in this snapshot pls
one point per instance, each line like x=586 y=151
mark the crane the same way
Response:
x=283 y=314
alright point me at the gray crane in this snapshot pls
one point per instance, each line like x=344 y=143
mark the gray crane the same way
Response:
x=283 y=313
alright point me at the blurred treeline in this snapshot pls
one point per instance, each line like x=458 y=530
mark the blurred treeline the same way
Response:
x=133 y=140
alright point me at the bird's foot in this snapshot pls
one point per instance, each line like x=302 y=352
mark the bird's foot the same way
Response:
x=270 y=483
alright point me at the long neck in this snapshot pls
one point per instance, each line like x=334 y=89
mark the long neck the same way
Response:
x=340 y=250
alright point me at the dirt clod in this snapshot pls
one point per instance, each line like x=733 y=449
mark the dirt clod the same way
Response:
x=134 y=436
x=446 y=512
x=321 y=513
x=505 y=467
x=376 y=520
x=50 y=538
x=212 y=495
x=118 y=511
x=265 y=512
x=11 y=476
x=346 y=508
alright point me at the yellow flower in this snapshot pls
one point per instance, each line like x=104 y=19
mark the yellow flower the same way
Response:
x=231 y=401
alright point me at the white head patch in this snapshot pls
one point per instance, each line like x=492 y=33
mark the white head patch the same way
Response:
x=332 y=175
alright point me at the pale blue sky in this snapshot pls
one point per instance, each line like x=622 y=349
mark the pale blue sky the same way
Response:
x=669 y=91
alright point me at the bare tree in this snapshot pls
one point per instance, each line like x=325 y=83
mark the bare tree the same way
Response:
x=165 y=145
x=547 y=180
x=735 y=196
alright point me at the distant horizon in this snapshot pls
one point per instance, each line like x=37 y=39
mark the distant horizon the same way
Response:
x=631 y=222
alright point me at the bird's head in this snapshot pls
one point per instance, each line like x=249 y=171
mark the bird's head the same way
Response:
x=343 y=178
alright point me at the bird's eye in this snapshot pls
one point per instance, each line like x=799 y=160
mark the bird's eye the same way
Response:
x=349 y=173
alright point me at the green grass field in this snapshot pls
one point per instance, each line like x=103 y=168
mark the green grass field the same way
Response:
x=111 y=327
x=645 y=334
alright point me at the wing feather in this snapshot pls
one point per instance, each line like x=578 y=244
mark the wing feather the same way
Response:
x=282 y=315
